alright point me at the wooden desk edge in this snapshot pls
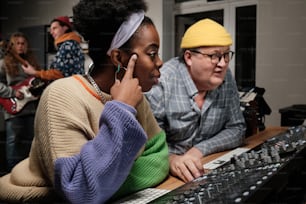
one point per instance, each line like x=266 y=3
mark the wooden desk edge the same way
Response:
x=250 y=142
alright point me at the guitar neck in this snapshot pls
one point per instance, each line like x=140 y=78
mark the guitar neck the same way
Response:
x=19 y=59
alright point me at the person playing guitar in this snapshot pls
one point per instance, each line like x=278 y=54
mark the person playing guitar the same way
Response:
x=25 y=91
x=19 y=125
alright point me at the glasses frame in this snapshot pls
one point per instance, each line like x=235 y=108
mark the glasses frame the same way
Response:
x=216 y=56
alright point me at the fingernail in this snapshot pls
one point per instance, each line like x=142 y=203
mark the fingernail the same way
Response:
x=135 y=56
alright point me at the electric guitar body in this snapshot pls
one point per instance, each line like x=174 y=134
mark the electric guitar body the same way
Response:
x=14 y=105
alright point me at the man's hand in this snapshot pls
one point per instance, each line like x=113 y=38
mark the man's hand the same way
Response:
x=29 y=69
x=128 y=90
x=188 y=166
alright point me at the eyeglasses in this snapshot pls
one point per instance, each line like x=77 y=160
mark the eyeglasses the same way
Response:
x=216 y=57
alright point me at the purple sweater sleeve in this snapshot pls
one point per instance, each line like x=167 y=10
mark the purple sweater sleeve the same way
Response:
x=104 y=163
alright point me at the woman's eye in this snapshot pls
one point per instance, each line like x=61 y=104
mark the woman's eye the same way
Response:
x=152 y=55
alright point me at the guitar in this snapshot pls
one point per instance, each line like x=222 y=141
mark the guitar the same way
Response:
x=30 y=87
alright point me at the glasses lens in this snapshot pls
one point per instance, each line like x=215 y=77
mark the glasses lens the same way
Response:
x=215 y=58
x=226 y=56
x=231 y=54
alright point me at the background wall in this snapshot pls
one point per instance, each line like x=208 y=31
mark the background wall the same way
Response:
x=281 y=44
x=23 y=13
x=281 y=54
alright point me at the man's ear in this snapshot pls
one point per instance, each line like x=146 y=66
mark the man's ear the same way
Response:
x=187 y=58
x=66 y=28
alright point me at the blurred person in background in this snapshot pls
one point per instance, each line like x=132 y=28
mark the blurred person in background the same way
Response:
x=19 y=126
x=69 y=58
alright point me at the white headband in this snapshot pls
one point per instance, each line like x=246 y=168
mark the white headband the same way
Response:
x=126 y=30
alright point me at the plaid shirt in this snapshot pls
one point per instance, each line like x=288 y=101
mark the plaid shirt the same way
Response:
x=218 y=126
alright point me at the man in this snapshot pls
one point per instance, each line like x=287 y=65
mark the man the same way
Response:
x=69 y=59
x=196 y=101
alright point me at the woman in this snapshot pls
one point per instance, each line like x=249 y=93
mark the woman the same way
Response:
x=19 y=126
x=89 y=157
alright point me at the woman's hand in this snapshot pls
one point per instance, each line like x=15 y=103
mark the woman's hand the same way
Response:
x=19 y=94
x=29 y=69
x=128 y=90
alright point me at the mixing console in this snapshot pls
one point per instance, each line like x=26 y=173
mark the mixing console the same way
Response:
x=250 y=177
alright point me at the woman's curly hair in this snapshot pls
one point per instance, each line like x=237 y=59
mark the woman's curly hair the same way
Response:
x=11 y=63
x=98 y=20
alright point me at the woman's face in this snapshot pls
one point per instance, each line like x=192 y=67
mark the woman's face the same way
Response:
x=20 y=45
x=146 y=45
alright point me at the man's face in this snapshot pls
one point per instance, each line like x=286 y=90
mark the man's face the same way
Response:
x=57 y=30
x=207 y=66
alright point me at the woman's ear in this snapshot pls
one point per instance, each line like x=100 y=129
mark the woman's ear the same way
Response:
x=116 y=57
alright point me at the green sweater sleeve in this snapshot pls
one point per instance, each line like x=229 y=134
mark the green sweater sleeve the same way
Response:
x=150 y=168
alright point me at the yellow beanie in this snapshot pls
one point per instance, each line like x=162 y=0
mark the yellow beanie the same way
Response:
x=206 y=32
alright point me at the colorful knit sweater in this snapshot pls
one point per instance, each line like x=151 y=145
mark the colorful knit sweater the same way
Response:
x=91 y=156
x=68 y=60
